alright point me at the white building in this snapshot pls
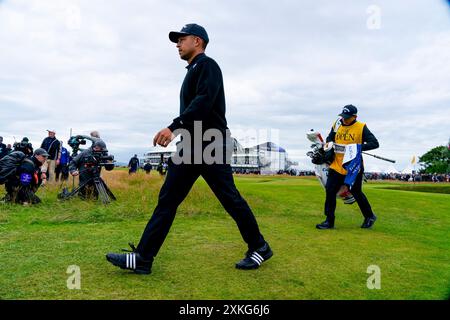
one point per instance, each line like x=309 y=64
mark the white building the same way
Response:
x=264 y=158
x=156 y=154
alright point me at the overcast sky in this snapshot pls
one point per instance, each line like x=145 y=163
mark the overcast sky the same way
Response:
x=288 y=66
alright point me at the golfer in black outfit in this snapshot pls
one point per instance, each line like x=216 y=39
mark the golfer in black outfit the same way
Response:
x=202 y=100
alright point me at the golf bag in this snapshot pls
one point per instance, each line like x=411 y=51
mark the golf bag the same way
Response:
x=322 y=156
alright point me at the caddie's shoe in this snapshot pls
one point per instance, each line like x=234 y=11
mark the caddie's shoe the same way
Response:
x=253 y=259
x=327 y=224
x=131 y=261
x=368 y=222
x=345 y=194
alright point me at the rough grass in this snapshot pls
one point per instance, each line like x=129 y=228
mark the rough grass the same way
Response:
x=410 y=243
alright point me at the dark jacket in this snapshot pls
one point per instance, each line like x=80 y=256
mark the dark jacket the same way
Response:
x=3 y=150
x=134 y=163
x=83 y=162
x=202 y=96
x=65 y=157
x=17 y=163
x=52 y=146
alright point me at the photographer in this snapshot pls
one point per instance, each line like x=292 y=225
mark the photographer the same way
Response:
x=87 y=165
x=22 y=176
x=24 y=146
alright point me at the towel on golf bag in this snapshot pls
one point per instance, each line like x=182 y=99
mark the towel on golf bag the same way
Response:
x=352 y=163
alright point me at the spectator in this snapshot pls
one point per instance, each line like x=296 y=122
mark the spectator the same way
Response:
x=147 y=167
x=133 y=164
x=3 y=151
x=95 y=134
x=8 y=148
x=63 y=167
x=53 y=148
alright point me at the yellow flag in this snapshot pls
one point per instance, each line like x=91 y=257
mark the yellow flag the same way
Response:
x=413 y=161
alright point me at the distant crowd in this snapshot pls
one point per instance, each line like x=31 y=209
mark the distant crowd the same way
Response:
x=290 y=172
x=409 y=177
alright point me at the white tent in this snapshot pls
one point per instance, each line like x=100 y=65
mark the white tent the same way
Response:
x=373 y=168
x=408 y=170
x=390 y=169
x=303 y=166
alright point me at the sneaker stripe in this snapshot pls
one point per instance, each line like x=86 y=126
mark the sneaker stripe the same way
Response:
x=254 y=258
x=128 y=260
x=259 y=256
x=134 y=261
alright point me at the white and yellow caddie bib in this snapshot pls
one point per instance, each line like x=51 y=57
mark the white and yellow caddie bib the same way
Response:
x=345 y=135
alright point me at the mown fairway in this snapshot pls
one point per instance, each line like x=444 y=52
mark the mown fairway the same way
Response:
x=409 y=242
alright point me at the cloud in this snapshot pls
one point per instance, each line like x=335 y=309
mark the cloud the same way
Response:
x=289 y=66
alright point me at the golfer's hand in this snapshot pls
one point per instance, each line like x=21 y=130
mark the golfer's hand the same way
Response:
x=75 y=173
x=163 y=137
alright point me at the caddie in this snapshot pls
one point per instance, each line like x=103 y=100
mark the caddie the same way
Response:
x=345 y=177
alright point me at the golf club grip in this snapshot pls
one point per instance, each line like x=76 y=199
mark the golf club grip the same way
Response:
x=378 y=157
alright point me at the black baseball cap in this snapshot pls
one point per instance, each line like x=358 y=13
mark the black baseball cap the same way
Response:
x=189 y=29
x=40 y=152
x=348 y=111
x=99 y=143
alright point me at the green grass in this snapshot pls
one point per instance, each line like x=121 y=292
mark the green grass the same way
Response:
x=432 y=188
x=409 y=242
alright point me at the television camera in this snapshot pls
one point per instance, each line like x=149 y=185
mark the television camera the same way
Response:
x=93 y=161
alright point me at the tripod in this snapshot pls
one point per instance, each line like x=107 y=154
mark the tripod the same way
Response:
x=104 y=193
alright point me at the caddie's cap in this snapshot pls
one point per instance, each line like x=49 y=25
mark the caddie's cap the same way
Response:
x=348 y=111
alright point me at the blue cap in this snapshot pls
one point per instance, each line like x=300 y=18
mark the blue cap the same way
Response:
x=348 y=111
x=189 y=29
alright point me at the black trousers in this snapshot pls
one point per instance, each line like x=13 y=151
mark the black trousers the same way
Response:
x=334 y=182
x=62 y=170
x=178 y=183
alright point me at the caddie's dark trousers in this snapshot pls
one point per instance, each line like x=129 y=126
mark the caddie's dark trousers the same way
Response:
x=177 y=184
x=334 y=182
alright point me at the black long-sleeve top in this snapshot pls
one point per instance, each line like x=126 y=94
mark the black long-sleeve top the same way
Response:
x=370 y=142
x=202 y=96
